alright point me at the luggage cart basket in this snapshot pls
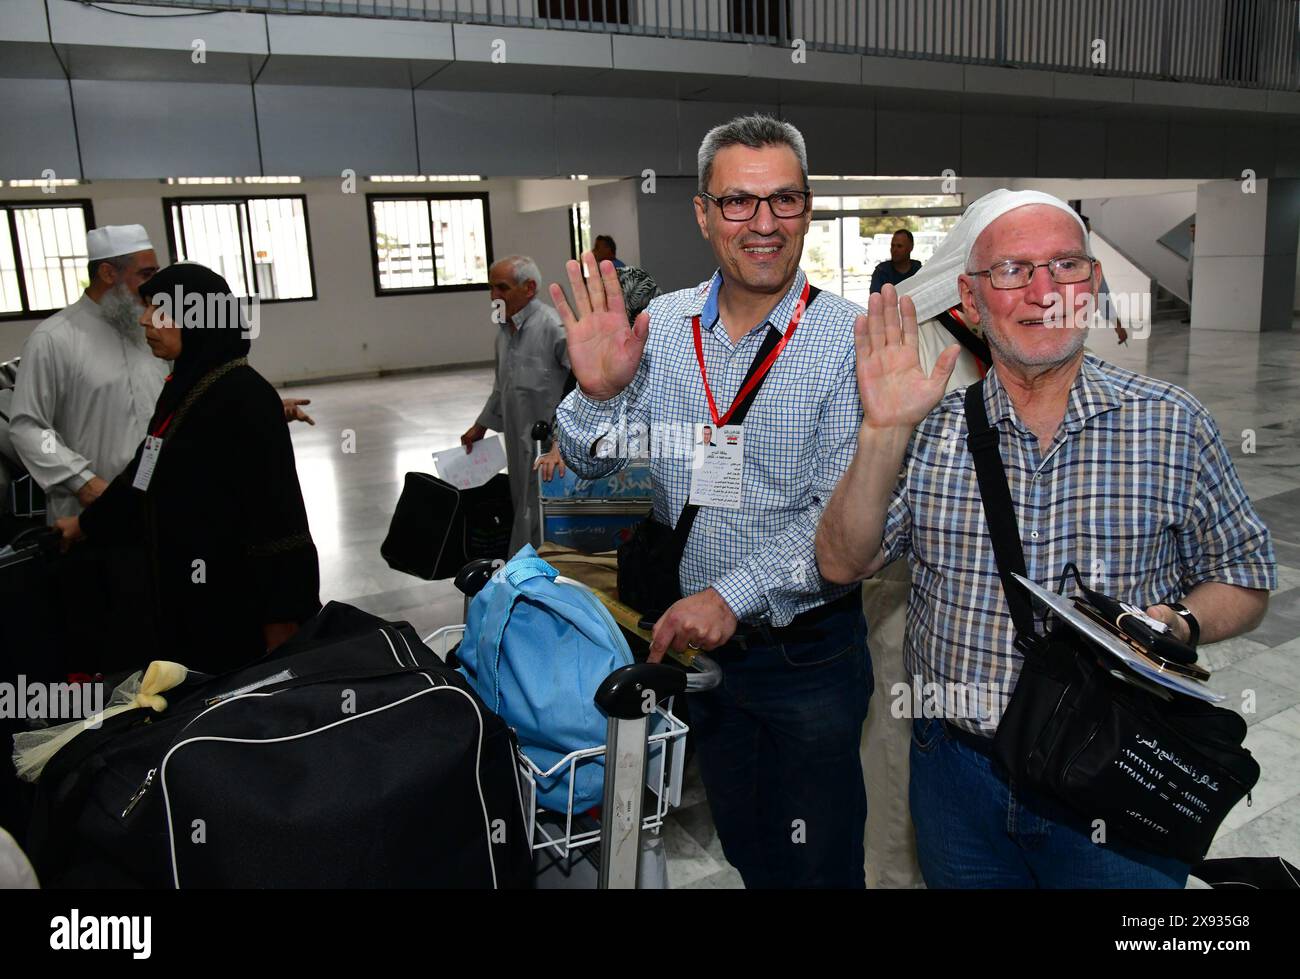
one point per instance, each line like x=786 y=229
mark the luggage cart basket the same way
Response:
x=645 y=748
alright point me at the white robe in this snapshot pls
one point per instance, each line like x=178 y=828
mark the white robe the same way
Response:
x=82 y=402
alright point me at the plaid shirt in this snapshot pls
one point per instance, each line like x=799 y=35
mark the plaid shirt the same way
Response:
x=1137 y=490
x=800 y=436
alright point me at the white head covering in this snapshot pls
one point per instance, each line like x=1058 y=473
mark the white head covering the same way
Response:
x=113 y=240
x=934 y=288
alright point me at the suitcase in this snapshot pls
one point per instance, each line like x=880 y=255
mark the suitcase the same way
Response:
x=351 y=758
x=437 y=528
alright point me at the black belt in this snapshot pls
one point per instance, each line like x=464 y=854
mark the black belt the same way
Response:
x=804 y=627
x=976 y=742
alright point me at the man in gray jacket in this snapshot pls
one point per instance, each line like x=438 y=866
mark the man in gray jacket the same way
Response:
x=532 y=367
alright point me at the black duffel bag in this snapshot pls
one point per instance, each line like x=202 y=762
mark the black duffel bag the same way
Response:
x=1160 y=769
x=353 y=757
x=437 y=529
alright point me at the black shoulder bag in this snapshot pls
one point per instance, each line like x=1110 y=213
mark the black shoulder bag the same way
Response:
x=1160 y=769
x=650 y=559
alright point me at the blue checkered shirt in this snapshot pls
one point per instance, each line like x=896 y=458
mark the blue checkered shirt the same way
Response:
x=800 y=435
x=1137 y=489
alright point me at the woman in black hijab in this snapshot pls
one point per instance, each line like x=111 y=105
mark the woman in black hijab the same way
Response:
x=213 y=490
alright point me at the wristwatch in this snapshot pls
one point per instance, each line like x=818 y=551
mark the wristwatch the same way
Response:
x=1186 y=615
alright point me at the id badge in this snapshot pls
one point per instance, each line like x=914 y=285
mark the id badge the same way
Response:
x=148 y=459
x=717 y=465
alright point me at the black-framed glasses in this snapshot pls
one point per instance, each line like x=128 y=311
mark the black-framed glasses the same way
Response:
x=1016 y=274
x=743 y=207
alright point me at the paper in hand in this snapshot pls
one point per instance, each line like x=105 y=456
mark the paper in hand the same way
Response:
x=465 y=470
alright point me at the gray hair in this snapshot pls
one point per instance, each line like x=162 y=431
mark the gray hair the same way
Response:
x=754 y=131
x=523 y=269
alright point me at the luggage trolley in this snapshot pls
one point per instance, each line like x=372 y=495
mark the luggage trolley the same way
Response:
x=636 y=757
x=590 y=515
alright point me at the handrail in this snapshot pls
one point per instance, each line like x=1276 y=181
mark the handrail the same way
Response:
x=1239 y=43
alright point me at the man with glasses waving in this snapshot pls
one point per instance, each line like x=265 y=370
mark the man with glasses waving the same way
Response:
x=767 y=362
x=1121 y=474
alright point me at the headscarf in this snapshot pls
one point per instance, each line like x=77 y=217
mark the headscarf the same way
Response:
x=934 y=288
x=205 y=345
x=638 y=287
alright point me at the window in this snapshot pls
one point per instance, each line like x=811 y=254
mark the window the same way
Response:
x=260 y=245
x=760 y=18
x=850 y=236
x=429 y=242
x=592 y=11
x=43 y=263
x=579 y=229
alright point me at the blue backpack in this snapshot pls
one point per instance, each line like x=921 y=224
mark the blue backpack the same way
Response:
x=535 y=649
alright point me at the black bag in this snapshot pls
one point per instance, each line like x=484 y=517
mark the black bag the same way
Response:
x=351 y=758
x=437 y=529
x=1161 y=769
x=649 y=561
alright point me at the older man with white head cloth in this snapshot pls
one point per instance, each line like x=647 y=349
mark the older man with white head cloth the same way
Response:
x=88 y=383
x=1118 y=473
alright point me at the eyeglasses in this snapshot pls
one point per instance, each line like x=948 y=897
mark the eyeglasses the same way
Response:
x=1066 y=270
x=743 y=207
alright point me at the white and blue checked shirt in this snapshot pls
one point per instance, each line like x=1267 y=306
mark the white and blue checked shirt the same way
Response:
x=1137 y=490
x=800 y=435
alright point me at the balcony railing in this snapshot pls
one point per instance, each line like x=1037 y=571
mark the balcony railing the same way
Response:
x=1241 y=43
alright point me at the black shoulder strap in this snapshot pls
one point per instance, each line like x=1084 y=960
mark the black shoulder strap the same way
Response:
x=963 y=335
x=770 y=340
x=999 y=512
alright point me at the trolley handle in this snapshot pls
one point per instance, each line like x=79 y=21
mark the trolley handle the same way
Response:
x=706 y=674
x=474 y=575
x=633 y=691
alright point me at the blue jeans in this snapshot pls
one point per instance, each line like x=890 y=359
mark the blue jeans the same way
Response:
x=777 y=743
x=974 y=830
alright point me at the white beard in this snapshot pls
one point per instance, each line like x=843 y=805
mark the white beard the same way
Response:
x=123 y=312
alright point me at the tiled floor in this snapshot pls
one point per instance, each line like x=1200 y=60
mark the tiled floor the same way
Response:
x=1250 y=383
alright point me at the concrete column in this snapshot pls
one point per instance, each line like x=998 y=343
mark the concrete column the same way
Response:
x=1245 y=258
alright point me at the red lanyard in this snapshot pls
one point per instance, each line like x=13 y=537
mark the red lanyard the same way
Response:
x=758 y=374
x=166 y=421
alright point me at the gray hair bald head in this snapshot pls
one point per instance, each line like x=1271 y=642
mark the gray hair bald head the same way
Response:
x=754 y=131
x=522 y=269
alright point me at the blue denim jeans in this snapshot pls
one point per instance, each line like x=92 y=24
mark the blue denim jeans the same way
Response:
x=973 y=830
x=777 y=744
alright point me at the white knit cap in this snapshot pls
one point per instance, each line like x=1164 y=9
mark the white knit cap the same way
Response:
x=934 y=288
x=113 y=240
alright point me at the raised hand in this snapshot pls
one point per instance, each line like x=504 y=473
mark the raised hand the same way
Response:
x=895 y=391
x=603 y=352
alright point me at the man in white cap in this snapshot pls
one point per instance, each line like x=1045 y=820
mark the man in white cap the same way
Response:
x=1120 y=474
x=87 y=384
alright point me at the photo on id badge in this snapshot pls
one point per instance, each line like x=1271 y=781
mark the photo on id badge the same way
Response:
x=717 y=465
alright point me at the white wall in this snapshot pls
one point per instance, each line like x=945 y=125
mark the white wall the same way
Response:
x=614 y=213
x=1134 y=223
x=346 y=329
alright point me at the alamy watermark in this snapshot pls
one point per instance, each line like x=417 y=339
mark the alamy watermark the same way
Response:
x=39 y=701
x=198 y=310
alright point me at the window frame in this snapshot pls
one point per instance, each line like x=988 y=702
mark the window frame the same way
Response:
x=11 y=229
x=483 y=196
x=168 y=202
